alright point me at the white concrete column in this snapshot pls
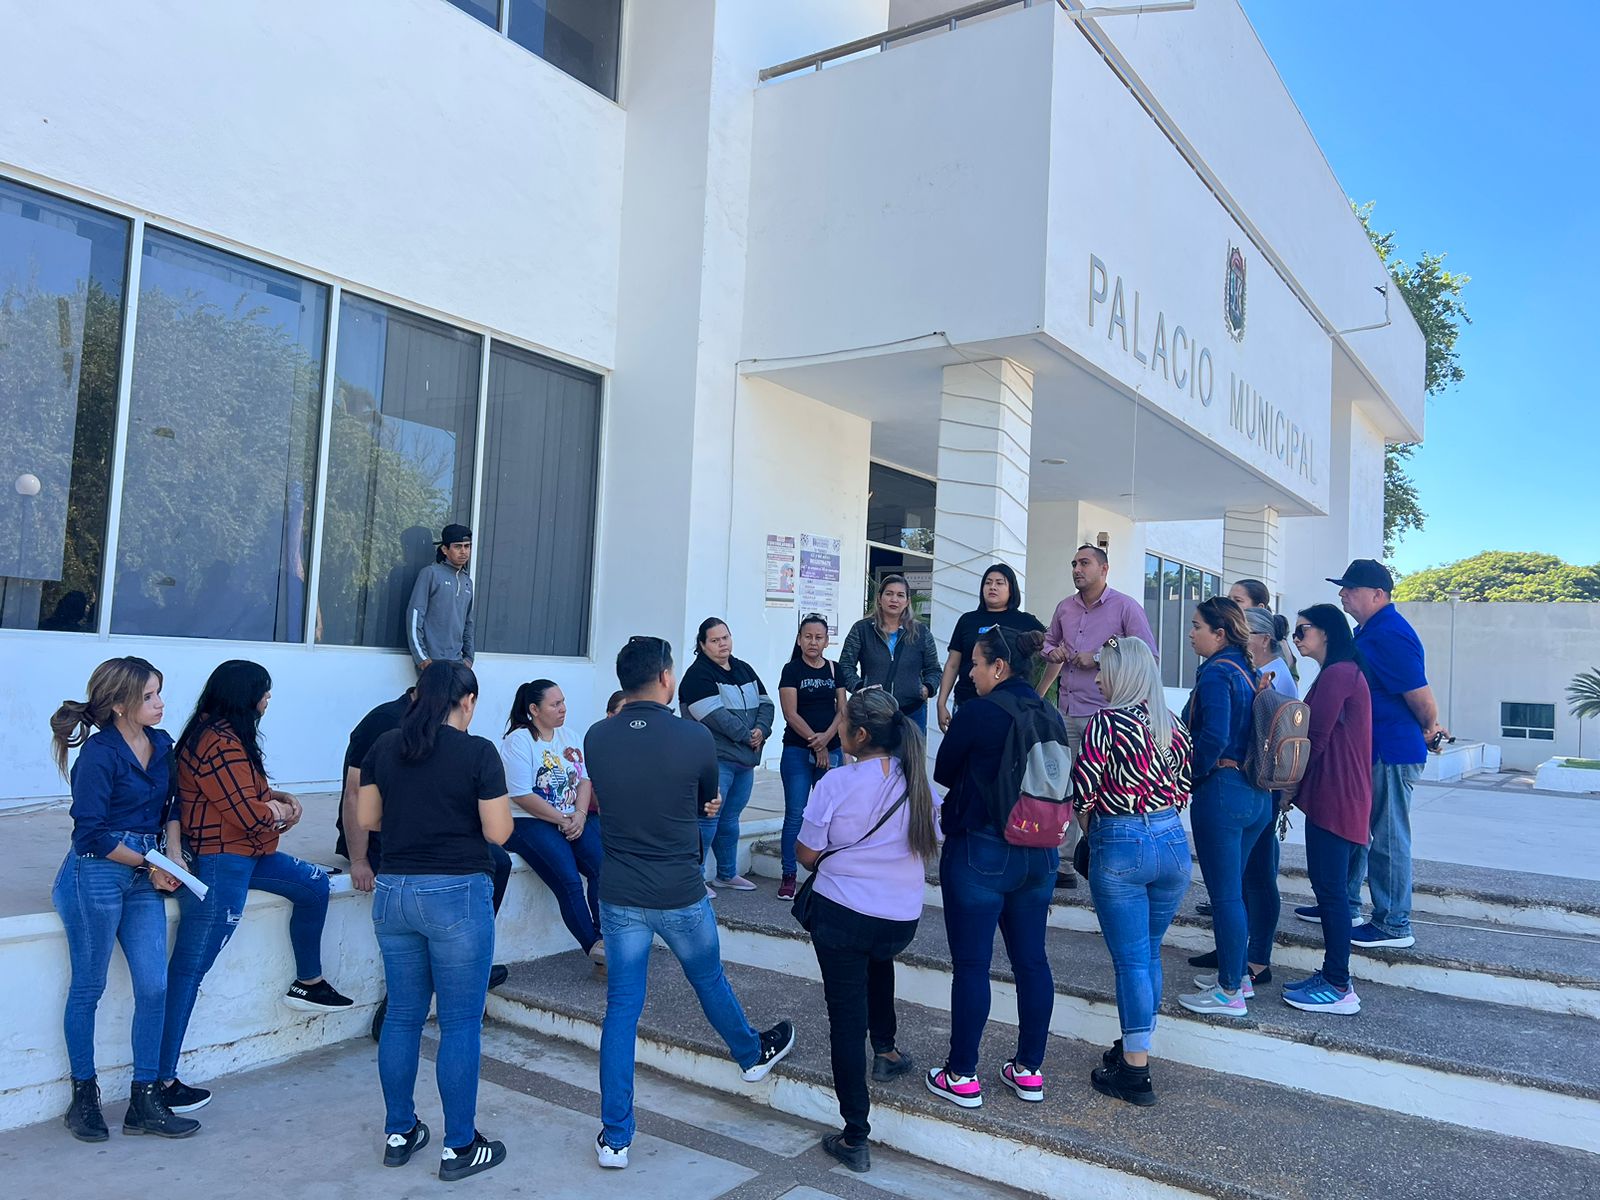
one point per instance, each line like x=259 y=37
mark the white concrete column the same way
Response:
x=1251 y=547
x=981 y=515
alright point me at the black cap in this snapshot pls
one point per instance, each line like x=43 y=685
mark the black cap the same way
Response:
x=1367 y=573
x=452 y=534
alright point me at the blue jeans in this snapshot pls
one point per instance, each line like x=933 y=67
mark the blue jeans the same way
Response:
x=101 y=904
x=436 y=934
x=1387 y=865
x=919 y=715
x=691 y=934
x=206 y=925
x=987 y=882
x=1138 y=873
x=1227 y=817
x=1328 y=861
x=798 y=769
x=571 y=870
x=719 y=835
x=1262 y=901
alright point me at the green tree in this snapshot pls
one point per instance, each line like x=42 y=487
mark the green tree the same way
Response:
x=1583 y=695
x=1500 y=575
x=1433 y=295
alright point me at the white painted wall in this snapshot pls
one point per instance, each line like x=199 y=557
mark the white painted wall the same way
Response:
x=238 y=1020
x=1521 y=653
x=1198 y=543
x=399 y=145
x=1056 y=529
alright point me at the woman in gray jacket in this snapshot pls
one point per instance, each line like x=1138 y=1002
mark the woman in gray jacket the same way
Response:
x=893 y=650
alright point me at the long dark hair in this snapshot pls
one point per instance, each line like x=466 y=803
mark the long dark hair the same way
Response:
x=231 y=697
x=1013 y=593
x=440 y=688
x=706 y=627
x=876 y=714
x=1017 y=650
x=1256 y=590
x=797 y=654
x=529 y=695
x=117 y=681
x=1227 y=618
x=1341 y=642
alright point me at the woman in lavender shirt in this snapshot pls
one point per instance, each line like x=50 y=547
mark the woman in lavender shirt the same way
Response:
x=868 y=896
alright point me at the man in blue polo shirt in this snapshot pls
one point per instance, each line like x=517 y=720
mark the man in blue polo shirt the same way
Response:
x=1405 y=726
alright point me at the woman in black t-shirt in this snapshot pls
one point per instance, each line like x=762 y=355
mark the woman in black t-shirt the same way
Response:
x=439 y=796
x=999 y=603
x=813 y=702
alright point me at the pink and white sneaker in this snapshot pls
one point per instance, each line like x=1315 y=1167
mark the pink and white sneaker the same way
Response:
x=964 y=1090
x=1027 y=1083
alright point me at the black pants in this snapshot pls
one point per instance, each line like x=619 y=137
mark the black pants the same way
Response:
x=856 y=954
x=502 y=867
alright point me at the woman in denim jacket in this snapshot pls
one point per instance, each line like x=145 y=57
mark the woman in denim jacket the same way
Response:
x=106 y=893
x=1229 y=812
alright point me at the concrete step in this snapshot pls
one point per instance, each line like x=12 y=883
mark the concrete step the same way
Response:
x=1212 y=1134
x=1510 y=1070
x=1498 y=963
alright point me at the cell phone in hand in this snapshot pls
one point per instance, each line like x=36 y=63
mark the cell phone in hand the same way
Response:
x=1438 y=740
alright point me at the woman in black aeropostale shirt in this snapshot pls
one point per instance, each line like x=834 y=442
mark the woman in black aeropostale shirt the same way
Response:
x=439 y=796
x=999 y=603
x=813 y=706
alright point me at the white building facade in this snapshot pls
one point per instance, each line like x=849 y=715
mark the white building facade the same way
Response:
x=287 y=286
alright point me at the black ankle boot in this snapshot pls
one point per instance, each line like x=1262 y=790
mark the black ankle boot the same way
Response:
x=83 y=1114
x=1113 y=1056
x=1123 y=1082
x=148 y=1113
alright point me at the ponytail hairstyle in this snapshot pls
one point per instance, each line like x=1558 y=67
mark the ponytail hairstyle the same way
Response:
x=875 y=713
x=115 y=683
x=1017 y=650
x=1227 y=618
x=910 y=627
x=1260 y=597
x=231 y=698
x=703 y=632
x=1129 y=672
x=797 y=654
x=529 y=695
x=440 y=689
x=1341 y=642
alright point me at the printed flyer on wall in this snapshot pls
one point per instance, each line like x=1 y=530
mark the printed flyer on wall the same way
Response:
x=780 y=571
x=819 y=578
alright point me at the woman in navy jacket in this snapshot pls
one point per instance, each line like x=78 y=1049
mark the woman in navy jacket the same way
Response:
x=106 y=893
x=1229 y=812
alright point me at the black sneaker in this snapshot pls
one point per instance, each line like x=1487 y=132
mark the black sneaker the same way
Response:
x=885 y=1069
x=498 y=974
x=857 y=1158
x=399 y=1147
x=1208 y=959
x=1066 y=880
x=775 y=1045
x=1123 y=1082
x=315 y=997
x=181 y=1098
x=471 y=1159
x=1112 y=1057
x=1203 y=909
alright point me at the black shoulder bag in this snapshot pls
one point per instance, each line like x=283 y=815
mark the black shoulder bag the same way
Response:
x=803 y=908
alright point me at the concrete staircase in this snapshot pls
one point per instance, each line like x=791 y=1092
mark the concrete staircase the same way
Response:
x=1471 y=1070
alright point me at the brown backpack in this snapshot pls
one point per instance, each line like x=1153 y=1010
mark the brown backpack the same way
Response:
x=1281 y=744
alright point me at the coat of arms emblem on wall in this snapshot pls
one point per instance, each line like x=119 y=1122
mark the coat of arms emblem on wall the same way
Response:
x=1233 y=294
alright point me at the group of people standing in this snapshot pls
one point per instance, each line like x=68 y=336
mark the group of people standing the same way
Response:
x=430 y=810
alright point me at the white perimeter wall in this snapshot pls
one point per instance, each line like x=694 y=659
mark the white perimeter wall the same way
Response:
x=1521 y=653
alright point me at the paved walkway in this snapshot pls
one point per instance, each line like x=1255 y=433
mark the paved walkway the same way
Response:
x=311 y=1128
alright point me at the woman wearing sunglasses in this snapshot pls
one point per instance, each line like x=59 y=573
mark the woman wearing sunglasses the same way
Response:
x=1335 y=795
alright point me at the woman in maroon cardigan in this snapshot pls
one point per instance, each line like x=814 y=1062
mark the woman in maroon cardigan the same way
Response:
x=1336 y=796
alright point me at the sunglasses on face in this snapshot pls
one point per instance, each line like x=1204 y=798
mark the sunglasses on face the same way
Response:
x=1300 y=632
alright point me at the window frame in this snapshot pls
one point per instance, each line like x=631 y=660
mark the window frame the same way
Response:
x=1527 y=730
x=1183 y=669
x=337 y=288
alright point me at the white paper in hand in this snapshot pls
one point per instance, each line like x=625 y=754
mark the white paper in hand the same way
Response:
x=157 y=859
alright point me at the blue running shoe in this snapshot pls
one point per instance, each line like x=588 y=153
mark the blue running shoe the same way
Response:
x=1318 y=995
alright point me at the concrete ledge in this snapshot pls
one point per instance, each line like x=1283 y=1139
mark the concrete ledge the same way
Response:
x=1460 y=760
x=1555 y=776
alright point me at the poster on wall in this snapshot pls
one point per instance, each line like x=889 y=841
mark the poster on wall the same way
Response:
x=781 y=569
x=819 y=578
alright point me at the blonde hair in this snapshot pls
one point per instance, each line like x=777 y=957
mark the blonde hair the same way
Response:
x=116 y=683
x=1131 y=677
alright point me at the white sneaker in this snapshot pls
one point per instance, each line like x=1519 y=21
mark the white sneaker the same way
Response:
x=611 y=1159
x=1216 y=1003
x=1208 y=983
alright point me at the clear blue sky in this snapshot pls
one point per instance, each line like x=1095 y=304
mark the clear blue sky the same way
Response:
x=1473 y=125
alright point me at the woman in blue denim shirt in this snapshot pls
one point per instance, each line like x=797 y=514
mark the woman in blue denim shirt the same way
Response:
x=106 y=893
x=1229 y=812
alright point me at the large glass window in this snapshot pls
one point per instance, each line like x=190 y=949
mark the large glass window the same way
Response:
x=1171 y=590
x=579 y=37
x=62 y=273
x=900 y=513
x=535 y=544
x=1536 y=721
x=487 y=11
x=215 y=534
x=400 y=461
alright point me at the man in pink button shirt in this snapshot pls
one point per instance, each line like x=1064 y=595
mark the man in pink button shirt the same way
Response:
x=1081 y=625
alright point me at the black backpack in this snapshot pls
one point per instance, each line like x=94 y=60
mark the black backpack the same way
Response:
x=1030 y=797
